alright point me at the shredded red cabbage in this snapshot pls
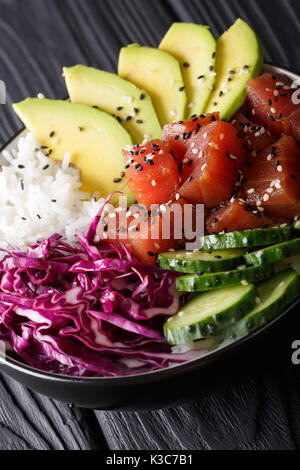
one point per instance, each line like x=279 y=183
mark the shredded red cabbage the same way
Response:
x=89 y=310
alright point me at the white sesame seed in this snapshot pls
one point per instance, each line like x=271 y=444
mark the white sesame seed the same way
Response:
x=153 y=182
x=279 y=83
x=251 y=190
x=194 y=151
x=212 y=74
x=269 y=157
x=286 y=87
x=213 y=145
x=261 y=209
x=200 y=154
x=204 y=135
x=253 y=112
x=281 y=284
x=262 y=130
x=157 y=246
x=203 y=166
x=244 y=282
x=190 y=105
x=253 y=153
x=273 y=110
x=258 y=203
x=283 y=225
x=266 y=197
x=171 y=82
x=275 y=92
x=177 y=196
x=185 y=160
x=279 y=168
x=172 y=112
x=221 y=136
x=269 y=190
x=257 y=134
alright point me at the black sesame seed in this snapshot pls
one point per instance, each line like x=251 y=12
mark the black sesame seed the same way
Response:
x=214 y=103
x=213 y=55
x=248 y=208
x=22 y=185
x=231 y=72
x=283 y=93
x=181 y=88
x=119 y=119
x=211 y=67
x=38 y=216
x=119 y=108
x=53 y=200
x=213 y=118
x=45 y=167
x=116 y=180
x=214 y=220
x=21 y=166
x=245 y=66
x=271 y=118
x=293 y=176
x=186 y=64
x=186 y=135
x=176 y=137
x=269 y=101
x=139 y=121
x=220 y=93
x=136 y=110
x=23 y=218
x=217 y=257
x=200 y=76
x=189 y=163
x=180 y=168
x=44 y=147
x=279 y=116
x=151 y=253
x=128 y=118
x=142 y=96
x=51 y=134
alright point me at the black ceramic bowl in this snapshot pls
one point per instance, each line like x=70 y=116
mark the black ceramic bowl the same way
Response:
x=177 y=384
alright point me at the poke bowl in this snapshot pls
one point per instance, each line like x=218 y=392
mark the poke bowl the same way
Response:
x=94 y=309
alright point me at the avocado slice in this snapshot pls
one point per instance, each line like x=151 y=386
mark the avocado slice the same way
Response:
x=239 y=58
x=93 y=138
x=115 y=96
x=194 y=47
x=160 y=75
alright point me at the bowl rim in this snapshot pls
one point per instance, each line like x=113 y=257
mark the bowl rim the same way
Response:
x=166 y=372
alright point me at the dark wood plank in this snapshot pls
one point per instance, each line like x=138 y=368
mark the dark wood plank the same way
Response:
x=38 y=37
x=31 y=421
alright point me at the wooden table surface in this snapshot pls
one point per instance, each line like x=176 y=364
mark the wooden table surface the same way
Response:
x=37 y=38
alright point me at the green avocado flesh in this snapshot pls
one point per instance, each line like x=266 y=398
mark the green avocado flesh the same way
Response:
x=160 y=75
x=194 y=47
x=93 y=138
x=131 y=105
x=239 y=58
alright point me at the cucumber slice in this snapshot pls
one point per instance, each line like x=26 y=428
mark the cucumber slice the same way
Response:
x=200 y=261
x=274 y=296
x=273 y=253
x=296 y=226
x=247 y=238
x=210 y=281
x=208 y=313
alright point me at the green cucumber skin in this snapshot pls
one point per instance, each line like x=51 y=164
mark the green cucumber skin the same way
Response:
x=196 y=266
x=249 y=324
x=247 y=238
x=273 y=253
x=194 y=283
x=211 y=326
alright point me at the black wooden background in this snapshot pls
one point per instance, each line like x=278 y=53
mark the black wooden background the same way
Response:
x=38 y=37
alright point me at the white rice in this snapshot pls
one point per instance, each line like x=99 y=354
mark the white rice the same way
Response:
x=28 y=211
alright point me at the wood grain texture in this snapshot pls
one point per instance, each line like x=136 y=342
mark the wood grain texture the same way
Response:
x=37 y=38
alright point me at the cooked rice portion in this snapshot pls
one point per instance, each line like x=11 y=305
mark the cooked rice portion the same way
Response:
x=39 y=197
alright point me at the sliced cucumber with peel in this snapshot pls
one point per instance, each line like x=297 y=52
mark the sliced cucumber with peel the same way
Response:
x=274 y=253
x=210 y=281
x=247 y=238
x=208 y=313
x=274 y=295
x=200 y=261
x=296 y=226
